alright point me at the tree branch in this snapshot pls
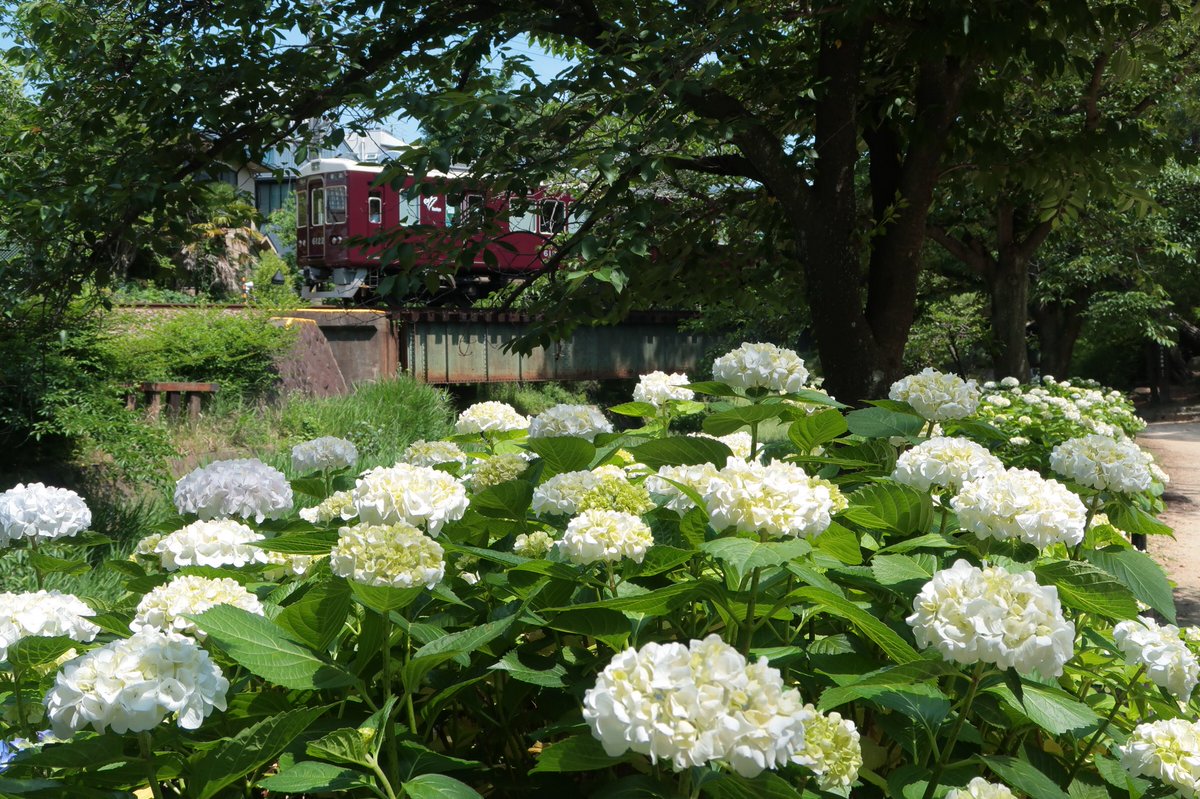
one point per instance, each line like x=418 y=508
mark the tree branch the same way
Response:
x=971 y=251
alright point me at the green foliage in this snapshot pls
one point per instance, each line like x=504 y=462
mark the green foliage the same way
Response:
x=950 y=334
x=268 y=295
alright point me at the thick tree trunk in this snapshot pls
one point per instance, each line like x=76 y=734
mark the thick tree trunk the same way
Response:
x=1059 y=326
x=1008 y=285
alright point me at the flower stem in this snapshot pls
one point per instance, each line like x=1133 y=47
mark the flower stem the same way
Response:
x=147 y=750
x=748 y=629
x=1118 y=703
x=389 y=736
x=944 y=756
x=37 y=571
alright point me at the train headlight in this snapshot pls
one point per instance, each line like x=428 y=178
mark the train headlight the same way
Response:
x=335 y=239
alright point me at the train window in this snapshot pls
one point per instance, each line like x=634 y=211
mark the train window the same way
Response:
x=374 y=209
x=301 y=209
x=451 y=214
x=335 y=204
x=410 y=209
x=553 y=216
x=317 y=205
x=522 y=220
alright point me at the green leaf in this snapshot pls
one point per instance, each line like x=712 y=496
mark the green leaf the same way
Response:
x=764 y=786
x=580 y=753
x=883 y=423
x=1133 y=519
x=658 y=601
x=1140 y=574
x=634 y=786
x=660 y=559
x=725 y=422
x=712 y=388
x=1052 y=709
x=920 y=701
x=232 y=758
x=316 y=618
x=743 y=555
x=315 y=543
x=345 y=745
x=892 y=506
x=384 y=598
x=841 y=542
x=78 y=753
x=508 y=500
x=48 y=564
x=309 y=486
x=596 y=622
x=810 y=432
x=1088 y=588
x=1024 y=776
x=551 y=677
x=639 y=409
x=562 y=454
x=816 y=398
x=309 y=776
x=681 y=451
x=907 y=573
x=438 y=786
x=260 y=647
x=33 y=651
x=883 y=636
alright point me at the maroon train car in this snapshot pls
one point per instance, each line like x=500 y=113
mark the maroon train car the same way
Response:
x=338 y=206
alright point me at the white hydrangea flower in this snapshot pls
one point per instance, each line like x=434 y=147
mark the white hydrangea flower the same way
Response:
x=1010 y=382
x=695 y=704
x=43 y=614
x=395 y=555
x=945 y=461
x=657 y=388
x=167 y=606
x=410 y=494
x=562 y=493
x=605 y=536
x=777 y=499
x=1169 y=663
x=978 y=787
x=281 y=564
x=761 y=366
x=497 y=469
x=1104 y=463
x=148 y=547
x=937 y=396
x=738 y=443
x=220 y=543
x=533 y=545
x=1168 y=750
x=134 y=684
x=320 y=454
x=41 y=513
x=695 y=477
x=246 y=487
x=583 y=421
x=832 y=749
x=1020 y=503
x=338 y=505
x=989 y=615
x=432 y=453
x=490 y=417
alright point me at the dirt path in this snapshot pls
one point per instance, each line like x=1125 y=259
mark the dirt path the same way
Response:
x=1176 y=446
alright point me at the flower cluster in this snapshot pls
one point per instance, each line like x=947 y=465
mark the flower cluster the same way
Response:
x=945 y=461
x=979 y=788
x=220 y=543
x=973 y=615
x=761 y=366
x=562 y=493
x=322 y=454
x=395 y=555
x=411 y=494
x=490 y=417
x=1020 y=503
x=432 y=453
x=1055 y=411
x=695 y=477
x=1109 y=464
x=777 y=499
x=615 y=492
x=695 y=704
x=584 y=421
x=533 y=545
x=133 y=684
x=1168 y=661
x=338 y=505
x=831 y=749
x=596 y=536
x=1168 y=750
x=497 y=469
x=41 y=513
x=937 y=396
x=246 y=487
x=659 y=388
x=167 y=606
x=43 y=614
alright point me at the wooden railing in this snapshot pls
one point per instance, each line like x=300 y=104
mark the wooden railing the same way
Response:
x=176 y=394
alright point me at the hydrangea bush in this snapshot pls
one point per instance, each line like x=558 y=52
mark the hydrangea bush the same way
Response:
x=897 y=601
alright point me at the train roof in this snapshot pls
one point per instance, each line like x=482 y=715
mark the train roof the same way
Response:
x=319 y=166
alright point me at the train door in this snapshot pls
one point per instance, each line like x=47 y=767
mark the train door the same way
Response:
x=316 y=219
x=302 y=221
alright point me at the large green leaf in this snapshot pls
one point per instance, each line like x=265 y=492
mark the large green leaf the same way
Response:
x=841 y=542
x=549 y=677
x=36 y=651
x=507 y=500
x=346 y=745
x=1133 y=519
x=579 y=753
x=48 y=564
x=316 y=618
x=639 y=409
x=742 y=555
x=1088 y=588
x=658 y=601
x=562 y=454
x=314 y=543
x=883 y=636
x=905 y=573
x=883 y=423
x=1024 y=776
x=1140 y=574
x=891 y=506
x=1052 y=709
x=725 y=422
x=232 y=758
x=681 y=451
x=384 y=598
x=920 y=701
x=438 y=786
x=765 y=786
x=810 y=432
x=261 y=648
x=309 y=776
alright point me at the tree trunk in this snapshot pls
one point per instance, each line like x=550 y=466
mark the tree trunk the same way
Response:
x=1059 y=325
x=1008 y=285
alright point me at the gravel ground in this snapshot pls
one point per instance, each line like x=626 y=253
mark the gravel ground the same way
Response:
x=1176 y=446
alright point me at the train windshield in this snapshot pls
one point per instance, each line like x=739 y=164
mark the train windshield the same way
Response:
x=553 y=216
x=335 y=204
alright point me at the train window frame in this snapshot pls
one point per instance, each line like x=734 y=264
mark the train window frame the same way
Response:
x=556 y=222
x=302 y=209
x=524 y=222
x=374 y=209
x=335 y=205
x=316 y=206
x=409 y=208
